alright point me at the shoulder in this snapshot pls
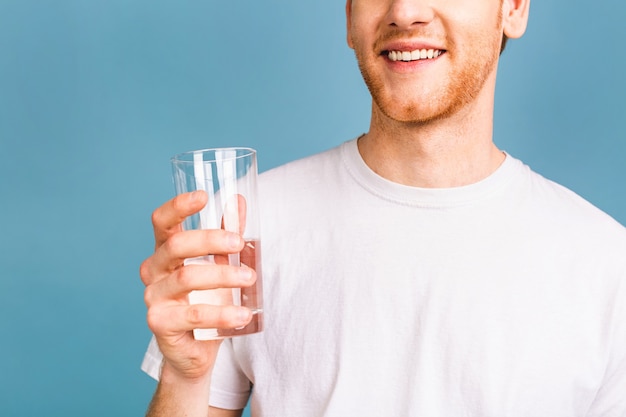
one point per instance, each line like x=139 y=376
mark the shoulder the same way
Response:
x=569 y=212
x=312 y=174
x=304 y=166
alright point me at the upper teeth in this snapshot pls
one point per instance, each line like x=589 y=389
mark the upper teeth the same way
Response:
x=414 y=55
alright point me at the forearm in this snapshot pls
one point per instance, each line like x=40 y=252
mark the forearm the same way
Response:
x=178 y=396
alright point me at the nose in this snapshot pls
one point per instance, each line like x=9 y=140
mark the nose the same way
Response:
x=406 y=14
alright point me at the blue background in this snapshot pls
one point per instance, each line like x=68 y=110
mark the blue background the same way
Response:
x=95 y=96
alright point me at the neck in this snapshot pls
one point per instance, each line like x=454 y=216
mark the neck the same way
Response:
x=450 y=152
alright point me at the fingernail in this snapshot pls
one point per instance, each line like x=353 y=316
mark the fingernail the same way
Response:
x=195 y=195
x=243 y=315
x=234 y=240
x=245 y=273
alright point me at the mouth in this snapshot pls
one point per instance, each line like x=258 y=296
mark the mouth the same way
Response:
x=415 y=55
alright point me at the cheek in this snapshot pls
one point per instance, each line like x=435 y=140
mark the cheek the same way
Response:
x=472 y=17
x=474 y=37
x=359 y=42
x=362 y=25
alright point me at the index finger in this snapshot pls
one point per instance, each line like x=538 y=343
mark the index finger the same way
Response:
x=168 y=218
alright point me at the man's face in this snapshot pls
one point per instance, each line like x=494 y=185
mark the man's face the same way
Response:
x=425 y=60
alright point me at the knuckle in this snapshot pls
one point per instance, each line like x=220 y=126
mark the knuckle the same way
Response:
x=178 y=205
x=185 y=277
x=223 y=317
x=231 y=276
x=156 y=218
x=195 y=314
x=144 y=271
x=228 y=317
x=173 y=244
x=154 y=321
x=225 y=275
x=148 y=296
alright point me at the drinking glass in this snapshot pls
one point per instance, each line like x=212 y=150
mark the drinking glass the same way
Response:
x=229 y=177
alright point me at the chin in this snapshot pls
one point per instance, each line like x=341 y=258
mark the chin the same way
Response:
x=415 y=113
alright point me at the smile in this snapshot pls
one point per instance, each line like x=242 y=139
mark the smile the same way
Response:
x=415 y=55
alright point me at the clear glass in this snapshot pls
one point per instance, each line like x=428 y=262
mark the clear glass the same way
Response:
x=229 y=177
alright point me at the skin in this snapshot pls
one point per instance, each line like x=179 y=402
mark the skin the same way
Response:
x=431 y=126
x=186 y=372
x=432 y=121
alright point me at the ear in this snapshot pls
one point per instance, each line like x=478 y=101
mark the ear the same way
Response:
x=515 y=17
x=349 y=22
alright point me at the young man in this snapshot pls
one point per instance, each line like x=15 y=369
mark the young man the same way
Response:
x=416 y=271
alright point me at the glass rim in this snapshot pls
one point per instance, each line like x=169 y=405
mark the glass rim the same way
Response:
x=188 y=157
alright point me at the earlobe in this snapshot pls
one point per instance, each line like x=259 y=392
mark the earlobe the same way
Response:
x=515 y=17
x=348 y=23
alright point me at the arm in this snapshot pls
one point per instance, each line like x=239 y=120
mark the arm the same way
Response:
x=173 y=395
x=220 y=412
x=187 y=363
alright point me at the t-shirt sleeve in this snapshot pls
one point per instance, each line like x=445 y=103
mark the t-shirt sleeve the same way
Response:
x=610 y=400
x=230 y=387
x=152 y=360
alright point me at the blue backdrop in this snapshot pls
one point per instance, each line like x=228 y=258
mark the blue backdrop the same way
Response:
x=96 y=95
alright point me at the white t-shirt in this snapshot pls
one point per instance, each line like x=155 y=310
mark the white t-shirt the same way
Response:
x=502 y=298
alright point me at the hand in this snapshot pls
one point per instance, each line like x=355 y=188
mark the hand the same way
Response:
x=168 y=283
